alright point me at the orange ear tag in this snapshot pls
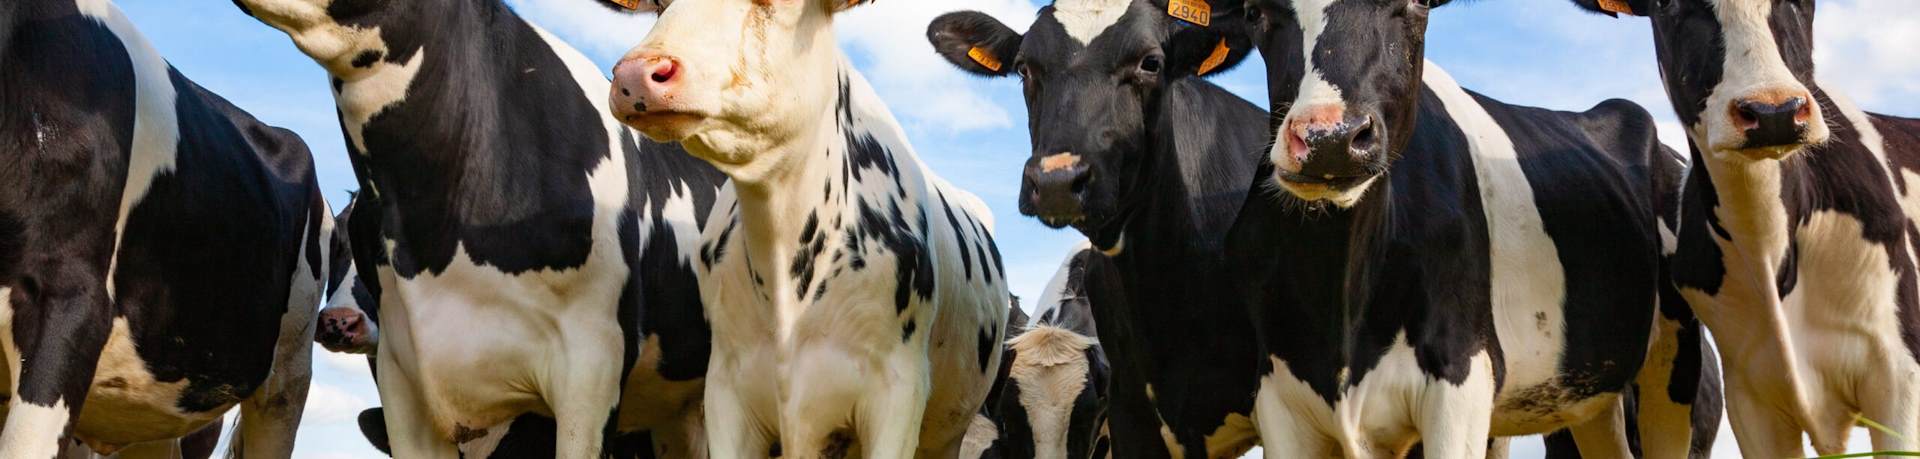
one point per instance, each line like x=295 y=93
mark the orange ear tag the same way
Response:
x=629 y=4
x=984 y=58
x=1214 y=60
x=1616 y=6
x=1194 y=11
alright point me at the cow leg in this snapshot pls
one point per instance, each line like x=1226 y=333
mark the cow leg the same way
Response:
x=164 y=449
x=269 y=418
x=889 y=419
x=1454 y=419
x=1604 y=435
x=1497 y=447
x=1285 y=433
x=731 y=432
x=1893 y=400
x=52 y=328
x=1761 y=428
x=583 y=394
x=684 y=438
x=1665 y=424
x=410 y=432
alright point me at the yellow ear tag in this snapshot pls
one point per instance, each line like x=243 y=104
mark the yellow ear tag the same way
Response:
x=1194 y=11
x=1214 y=60
x=629 y=4
x=1616 y=6
x=984 y=58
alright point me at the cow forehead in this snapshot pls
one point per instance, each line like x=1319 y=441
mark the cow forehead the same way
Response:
x=1086 y=19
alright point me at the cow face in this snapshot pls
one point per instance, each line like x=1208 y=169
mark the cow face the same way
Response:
x=1737 y=71
x=1093 y=73
x=1055 y=400
x=1343 y=77
x=731 y=79
x=345 y=325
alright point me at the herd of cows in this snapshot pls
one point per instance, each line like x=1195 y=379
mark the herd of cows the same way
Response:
x=731 y=249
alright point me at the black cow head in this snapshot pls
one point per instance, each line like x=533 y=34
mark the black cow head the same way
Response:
x=1343 y=77
x=1093 y=72
x=1738 y=71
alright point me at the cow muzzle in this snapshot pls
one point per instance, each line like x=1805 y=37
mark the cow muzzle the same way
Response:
x=1056 y=188
x=344 y=329
x=648 y=94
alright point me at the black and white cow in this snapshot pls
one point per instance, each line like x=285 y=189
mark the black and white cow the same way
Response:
x=857 y=299
x=1052 y=402
x=1437 y=266
x=1797 y=242
x=1151 y=163
x=160 y=249
x=534 y=255
x=349 y=320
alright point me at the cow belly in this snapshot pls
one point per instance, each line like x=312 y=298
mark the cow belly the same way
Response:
x=1536 y=396
x=128 y=405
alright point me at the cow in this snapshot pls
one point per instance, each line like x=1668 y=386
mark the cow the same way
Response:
x=1437 y=266
x=160 y=249
x=858 y=300
x=1132 y=148
x=1797 y=239
x=1053 y=398
x=534 y=256
x=348 y=322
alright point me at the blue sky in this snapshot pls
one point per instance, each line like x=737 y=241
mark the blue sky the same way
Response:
x=972 y=130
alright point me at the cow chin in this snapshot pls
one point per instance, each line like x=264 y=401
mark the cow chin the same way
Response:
x=1342 y=193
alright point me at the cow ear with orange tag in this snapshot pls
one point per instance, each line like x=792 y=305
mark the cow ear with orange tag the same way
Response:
x=1616 y=7
x=843 y=5
x=642 y=6
x=975 y=42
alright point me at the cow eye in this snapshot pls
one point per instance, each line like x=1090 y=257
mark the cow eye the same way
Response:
x=1150 y=64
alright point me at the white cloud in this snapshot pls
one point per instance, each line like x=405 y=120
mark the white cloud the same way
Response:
x=328 y=404
x=1865 y=49
x=350 y=364
x=596 y=30
x=890 y=36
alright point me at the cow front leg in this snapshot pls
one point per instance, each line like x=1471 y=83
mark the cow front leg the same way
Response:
x=409 y=429
x=583 y=394
x=890 y=418
x=1892 y=399
x=1762 y=429
x=1454 y=419
x=732 y=432
x=269 y=418
x=1604 y=436
x=1285 y=432
x=53 y=327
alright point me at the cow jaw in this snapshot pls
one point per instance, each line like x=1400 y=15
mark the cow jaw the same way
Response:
x=753 y=77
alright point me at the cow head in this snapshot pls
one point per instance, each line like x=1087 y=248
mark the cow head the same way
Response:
x=1094 y=72
x=1054 y=402
x=1343 y=78
x=731 y=79
x=1737 y=71
x=345 y=324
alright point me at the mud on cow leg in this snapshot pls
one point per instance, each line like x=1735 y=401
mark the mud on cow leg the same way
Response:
x=53 y=325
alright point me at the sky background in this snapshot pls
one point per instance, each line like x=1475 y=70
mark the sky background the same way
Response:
x=973 y=130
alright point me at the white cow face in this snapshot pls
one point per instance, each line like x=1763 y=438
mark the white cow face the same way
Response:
x=1739 y=72
x=731 y=79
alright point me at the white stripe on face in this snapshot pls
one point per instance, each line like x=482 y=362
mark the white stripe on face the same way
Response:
x=1085 y=19
x=1315 y=90
x=1752 y=67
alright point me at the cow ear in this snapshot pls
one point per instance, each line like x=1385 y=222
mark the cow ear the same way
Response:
x=1210 y=37
x=634 y=6
x=1616 y=7
x=843 y=5
x=975 y=42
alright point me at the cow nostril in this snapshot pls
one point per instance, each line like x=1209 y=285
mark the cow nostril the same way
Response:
x=665 y=72
x=1363 y=138
x=1079 y=184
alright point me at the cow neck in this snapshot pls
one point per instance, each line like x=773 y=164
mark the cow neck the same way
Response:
x=776 y=204
x=1195 y=178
